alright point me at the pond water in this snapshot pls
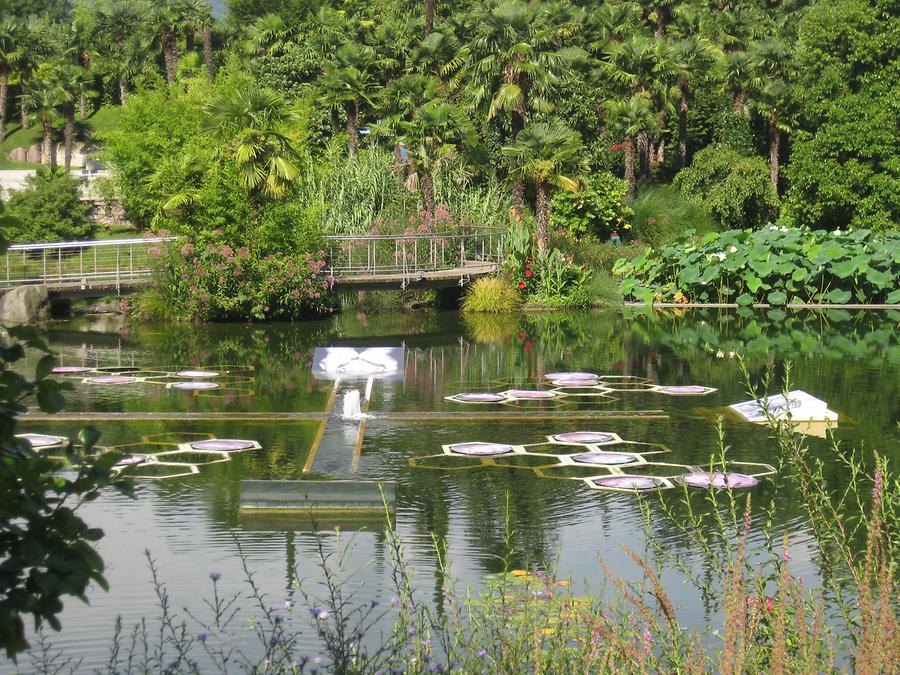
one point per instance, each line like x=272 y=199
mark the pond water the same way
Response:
x=193 y=525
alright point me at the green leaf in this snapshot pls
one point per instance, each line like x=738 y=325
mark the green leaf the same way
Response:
x=762 y=267
x=744 y=299
x=893 y=298
x=49 y=398
x=753 y=283
x=777 y=298
x=838 y=296
x=88 y=437
x=844 y=268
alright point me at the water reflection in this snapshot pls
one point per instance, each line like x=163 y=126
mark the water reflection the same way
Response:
x=484 y=516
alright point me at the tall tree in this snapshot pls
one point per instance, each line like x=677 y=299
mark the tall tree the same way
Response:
x=42 y=98
x=517 y=59
x=123 y=43
x=11 y=39
x=776 y=96
x=432 y=137
x=269 y=35
x=349 y=83
x=546 y=154
x=634 y=116
x=692 y=56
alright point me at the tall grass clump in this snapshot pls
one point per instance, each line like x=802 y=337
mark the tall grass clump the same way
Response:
x=662 y=213
x=490 y=294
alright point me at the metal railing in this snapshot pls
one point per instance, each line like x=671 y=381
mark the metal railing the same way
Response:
x=407 y=257
x=80 y=263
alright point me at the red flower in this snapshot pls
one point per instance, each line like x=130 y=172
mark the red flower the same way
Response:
x=616 y=148
x=528 y=272
x=770 y=603
x=521 y=285
x=527 y=346
x=521 y=334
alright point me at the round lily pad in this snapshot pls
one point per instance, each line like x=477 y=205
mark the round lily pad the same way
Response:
x=480 y=449
x=718 y=480
x=584 y=437
x=605 y=458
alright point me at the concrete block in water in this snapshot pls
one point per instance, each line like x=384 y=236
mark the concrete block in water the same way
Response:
x=316 y=495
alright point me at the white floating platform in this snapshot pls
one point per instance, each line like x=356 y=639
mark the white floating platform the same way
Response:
x=797 y=404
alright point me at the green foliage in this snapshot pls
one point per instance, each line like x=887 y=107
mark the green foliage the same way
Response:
x=732 y=131
x=47 y=549
x=737 y=190
x=602 y=255
x=216 y=282
x=50 y=209
x=559 y=281
x=492 y=295
x=662 y=214
x=596 y=208
x=775 y=265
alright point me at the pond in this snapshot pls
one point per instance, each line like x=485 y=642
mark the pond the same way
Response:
x=514 y=510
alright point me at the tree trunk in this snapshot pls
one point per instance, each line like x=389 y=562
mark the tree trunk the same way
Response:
x=69 y=135
x=169 y=55
x=643 y=147
x=352 y=125
x=682 y=129
x=739 y=103
x=47 y=144
x=4 y=88
x=123 y=92
x=660 y=151
x=429 y=16
x=542 y=206
x=428 y=194
x=189 y=37
x=82 y=104
x=629 y=164
x=23 y=109
x=518 y=194
x=774 y=146
x=208 y=50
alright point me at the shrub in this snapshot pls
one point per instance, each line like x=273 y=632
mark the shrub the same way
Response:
x=661 y=214
x=597 y=208
x=219 y=283
x=775 y=265
x=490 y=294
x=50 y=209
x=737 y=190
x=601 y=255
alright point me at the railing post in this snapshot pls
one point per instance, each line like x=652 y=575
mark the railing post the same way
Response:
x=44 y=257
x=118 y=285
x=59 y=263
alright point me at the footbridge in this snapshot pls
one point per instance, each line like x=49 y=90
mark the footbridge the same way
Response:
x=370 y=262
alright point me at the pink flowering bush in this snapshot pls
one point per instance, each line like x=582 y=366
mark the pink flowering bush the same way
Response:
x=219 y=282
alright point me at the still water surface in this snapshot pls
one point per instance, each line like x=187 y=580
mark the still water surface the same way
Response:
x=192 y=526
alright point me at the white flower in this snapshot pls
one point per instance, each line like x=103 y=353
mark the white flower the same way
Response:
x=733 y=249
x=720 y=255
x=837 y=233
x=731 y=355
x=720 y=354
x=774 y=228
x=784 y=229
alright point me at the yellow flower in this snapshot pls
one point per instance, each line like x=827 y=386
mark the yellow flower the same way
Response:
x=519 y=573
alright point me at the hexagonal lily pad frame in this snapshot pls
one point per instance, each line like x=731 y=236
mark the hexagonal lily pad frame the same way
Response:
x=624 y=463
x=224 y=380
x=579 y=384
x=210 y=449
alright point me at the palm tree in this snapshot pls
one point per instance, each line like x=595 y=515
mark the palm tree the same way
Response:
x=42 y=99
x=349 y=82
x=73 y=87
x=123 y=45
x=608 y=23
x=737 y=72
x=635 y=117
x=166 y=18
x=776 y=97
x=693 y=56
x=517 y=59
x=545 y=153
x=252 y=123
x=11 y=40
x=269 y=35
x=429 y=16
x=432 y=137
x=442 y=55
